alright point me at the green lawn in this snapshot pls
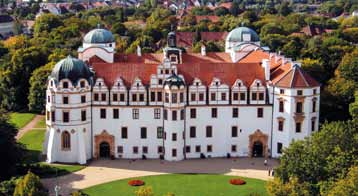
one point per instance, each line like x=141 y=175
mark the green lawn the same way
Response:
x=183 y=185
x=33 y=142
x=41 y=123
x=21 y=119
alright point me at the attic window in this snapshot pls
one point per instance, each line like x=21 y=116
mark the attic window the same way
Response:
x=118 y=84
x=110 y=45
x=99 y=84
x=137 y=84
x=51 y=83
x=197 y=83
x=217 y=83
x=82 y=84
x=65 y=84
x=258 y=84
x=239 y=84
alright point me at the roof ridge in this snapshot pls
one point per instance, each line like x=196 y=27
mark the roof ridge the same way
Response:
x=283 y=76
x=304 y=78
x=293 y=77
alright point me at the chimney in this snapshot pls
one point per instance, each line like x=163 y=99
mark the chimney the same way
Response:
x=266 y=65
x=139 y=51
x=203 y=50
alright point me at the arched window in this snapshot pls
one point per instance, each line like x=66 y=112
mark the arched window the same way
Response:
x=66 y=140
x=65 y=84
x=82 y=84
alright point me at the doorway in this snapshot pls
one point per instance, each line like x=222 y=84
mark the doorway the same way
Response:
x=104 y=150
x=257 y=150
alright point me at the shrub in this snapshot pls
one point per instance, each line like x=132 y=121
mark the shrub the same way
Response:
x=78 y=193
x=237 y=181
x=135 y=182
x=29 y=185
x=144 y=191
x=7 y=187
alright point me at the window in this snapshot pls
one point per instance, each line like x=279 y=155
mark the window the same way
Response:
x=254 y=96
x=83 y=115
x=282 y=91
x=279 y=148
x=314 y=91
x=174 y=115
x=48 y=99
x=174 y=98
x=187 y=149
x=47 y=115
x=160 y=149
x=182 y=114
x=313 y=125
x=83 y=99
x=120 y=149
x=66 y=117
x=235 y=96
x=96 y=96
x=234 y=131
x=174 y=137
x=242 y=96
x=165 y=114
x=209 y=148
x=159 y=132
x=261 y=96
x=233 y=148
x=65 y=85
x=209 y=131
x=66 y=140
x=135 y=113
x=135 y=150
x=298 y=127
x=156 y=113
x=53 y=116
x=299 y=107
x=65 y=100
x=143 y=132
x=160 y=81
x=121 y=97
x=159 y=96
x=181 y=97
x=124 y=132
x=214 y=112
x=134 y=97
x=152 y=96
x=145 y=149
x=115 y=113
x=299 y=92
x=192 y=132
x=223 y=96
x=201 y=96
x=103 y=96
x=115 y=97
x=280 y=125
x=213 y=96
x=174 y=152
x=193 y=97
x=260 y=112
x=193 y=113
x=141 y=97
x=103 y=113
x=314 y=106
x=235 y=112
x=197 y=149
x=166 y=97
x=281 y=106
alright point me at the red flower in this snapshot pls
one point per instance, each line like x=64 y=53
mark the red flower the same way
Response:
x=135 y=183
x=237 y=181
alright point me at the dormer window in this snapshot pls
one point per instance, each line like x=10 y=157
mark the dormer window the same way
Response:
x=173 y=59
x=239 y=84
x=257 y=84
x=99 y=84
x=197 y=83
x=118 y=84
x=217 y=83
x=167 y=71
x=65 y=84
x=82 y=84
x=51 y=84
x=110 y=45
x=160 y=81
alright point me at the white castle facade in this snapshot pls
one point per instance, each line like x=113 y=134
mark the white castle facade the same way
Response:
x=177 y=105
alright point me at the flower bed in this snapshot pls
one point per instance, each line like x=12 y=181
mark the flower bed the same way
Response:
x=135 y=183
x=237 y=181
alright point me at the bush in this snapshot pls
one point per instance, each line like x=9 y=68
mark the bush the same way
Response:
x=144 y=191
x=29 y=185
x=237 y=181
x=7 y=187
x=78 y=193
x=135 y=183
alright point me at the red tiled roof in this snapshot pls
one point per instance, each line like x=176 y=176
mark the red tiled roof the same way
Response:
x=194 y=65
x=213 y=36
x=186 y=39
x=226 y=5
x=295 y=78
x=210 y=18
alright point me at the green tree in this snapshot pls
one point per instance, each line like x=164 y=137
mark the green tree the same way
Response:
x=315 y=68
x=284 y=8
x=346 y=186
x=29 y=185
x=10 y=150
x=353 y=107
x=119 y=28
x=46 y=22
x=292 y=188
x=274 y=41
x=221 y=11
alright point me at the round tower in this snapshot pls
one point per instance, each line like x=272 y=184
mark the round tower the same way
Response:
x=174 y=117
x=68 y=113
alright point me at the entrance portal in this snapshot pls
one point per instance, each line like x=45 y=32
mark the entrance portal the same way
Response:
x=257 y=150
x=104 y=151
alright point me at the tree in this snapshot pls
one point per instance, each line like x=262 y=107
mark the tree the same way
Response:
x=348 y=67
x=347 y=185
x=234 y=9
x=144 y=191
x=292 y=188
x=10 y=150
x=353 y=107
x=284 y=9
x=46 y=22
x=274 y=41
x=221 y=11
x=314 y=68
x=119 y=28
x=29 y=185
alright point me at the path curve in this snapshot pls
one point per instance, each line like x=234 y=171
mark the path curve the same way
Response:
x=31 y=125
x=102 y=171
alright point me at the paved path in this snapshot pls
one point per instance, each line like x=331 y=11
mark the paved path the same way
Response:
x=102 y=171
x=29 y=126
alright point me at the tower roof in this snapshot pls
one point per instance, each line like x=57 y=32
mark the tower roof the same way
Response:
x=98 y=36
x=237 y=35
x=296 y=78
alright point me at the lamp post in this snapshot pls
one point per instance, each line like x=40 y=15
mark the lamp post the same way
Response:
x=57 y=187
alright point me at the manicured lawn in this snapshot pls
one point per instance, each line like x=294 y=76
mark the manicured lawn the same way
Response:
x=41 y=123
x=183 y=185
x=33 y=142
x=21 y=119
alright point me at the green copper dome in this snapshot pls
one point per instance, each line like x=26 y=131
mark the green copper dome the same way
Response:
x=72 y=69
x=98 y=36
x=237 y=35
x=174 y=80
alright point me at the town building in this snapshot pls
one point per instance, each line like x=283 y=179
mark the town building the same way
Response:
x=174 y=105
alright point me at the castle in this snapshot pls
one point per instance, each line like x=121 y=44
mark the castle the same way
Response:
x=175 y=105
